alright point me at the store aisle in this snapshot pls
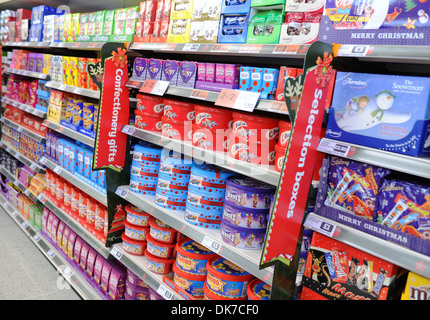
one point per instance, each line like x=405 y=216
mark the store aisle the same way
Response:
x=25 y=273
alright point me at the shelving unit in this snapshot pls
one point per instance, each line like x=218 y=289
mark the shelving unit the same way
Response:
x=211 y=238
x=32 y=165
x=31 y=74
x=72 y=89
x=24 y=130
x=24 y=107
x=69 y=132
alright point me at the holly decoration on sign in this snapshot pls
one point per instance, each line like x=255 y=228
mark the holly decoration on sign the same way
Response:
x=323 y=70
x=120 y=58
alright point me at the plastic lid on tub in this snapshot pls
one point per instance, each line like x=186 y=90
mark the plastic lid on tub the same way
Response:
x=248 y=183
x=132 y=209
x=188 y=276
x=194 y=250
x=199 y=108
x=210 y=171
x=249 y=117
x=148 y=148
x=227 y=270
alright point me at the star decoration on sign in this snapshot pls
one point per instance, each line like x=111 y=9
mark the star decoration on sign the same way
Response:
x=120 y=58
x=420 y=266
x=410 y=24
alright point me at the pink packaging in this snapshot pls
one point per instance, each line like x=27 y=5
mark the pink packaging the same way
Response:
x=117 y=283
x=105 y=274
x=77 y=249
x=84 y=256
x=98 y=267
x=71 y=244
x=219 y=72
x=210 y=72
x=54 y=227
x=45 y=218
x=231 y=74
x=91 y=260
x=60 y=230
x=201 y=71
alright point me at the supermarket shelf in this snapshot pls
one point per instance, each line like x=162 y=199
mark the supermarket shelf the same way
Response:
x=24 y=130
x=29 y=44
x=80 y=284
x=75 y=226
x=211 y=96
x=79 y=183
x=72 y=89
x=137 y=265
x=388 y=53
x=418 y=166
x=263 y=173
x=246 y=259
x=259 y=50
x=18 y=183
x=32 y=165
x=381 y=248
x=31 y=74
x=24 y=107
x=69 y=132
x=78 y=45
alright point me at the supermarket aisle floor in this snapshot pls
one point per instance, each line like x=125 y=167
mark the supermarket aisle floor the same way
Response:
x=25 y=273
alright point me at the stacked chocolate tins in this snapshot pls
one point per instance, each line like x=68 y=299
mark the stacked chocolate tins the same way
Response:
x=206 y=195
x=173 y=180
x=246 y=211
x=144 y=168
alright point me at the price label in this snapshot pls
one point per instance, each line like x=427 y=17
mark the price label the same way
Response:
x=51 y=254
x=121 y=192
x=24 y=225
x=238 y=100
x=41 y=197
x=334 y=148
x=33 y=166
x=250 y=48
x=43 y=160
x=164 y=292
x=211 y=244
x=347 y=50
x=116 y=253
x=14 y=214
x=278 y=107
x=130 y=130
x=67 y=273
x=36 y=238
x=77 y=91
x=320 y=226
x=58 y=170
x=62 y=87
x=220 y=48
x=286 y=49
x=199 y=94
x=191 y=47
x=134 y=84
x=156 y=87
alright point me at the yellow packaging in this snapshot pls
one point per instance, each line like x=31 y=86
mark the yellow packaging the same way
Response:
x=67 y=27
x=46 y=63
x=179 y=31
x=182 y=9
x=75 y=26
x=417 y=288
x=66 y=66
x=73 y=72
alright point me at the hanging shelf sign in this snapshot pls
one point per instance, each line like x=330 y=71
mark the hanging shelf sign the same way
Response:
x=292 y=196
x=110 y=142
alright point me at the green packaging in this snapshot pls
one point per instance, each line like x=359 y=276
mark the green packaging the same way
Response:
x=108 y=22
x=265 y=26
x=99 y=22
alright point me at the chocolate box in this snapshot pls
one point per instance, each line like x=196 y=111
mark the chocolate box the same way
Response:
x=336 y=271
x=390 y=22
x=387 y=112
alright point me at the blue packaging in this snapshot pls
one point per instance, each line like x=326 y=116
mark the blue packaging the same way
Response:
x=233 y=28
x=72 y=158
x=244 y=78
x=204 y=202
x=144 y=188
x=386 y=112
x=256 y=80
x=61 y=152
x=269 y=84
x=208 y=178
x=146 y=151
x=101 y=180
x=38 y=13
x=79 y=171
x=88 y=160
x=235 y=6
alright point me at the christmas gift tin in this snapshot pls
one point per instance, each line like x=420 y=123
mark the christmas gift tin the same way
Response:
x=149 y=104
x=159 y=249
x=147 y=152
x=249 y=193
x=133 y=246
x=135 y=232
x=259 y=128
x=147 y=121
x=205 y=201
x=208 y=139
x=191 y=283
x=245 y=217
x=226 y=279
x=208 y=178
x=178 y=111
x=192 y=257
x=161 y=232
x=252 y=151
x=178 y=130
x=206 y=220
x=258 y=290
x=136 y=216
x=240 y=237
x=212 y=118
x=158 y=265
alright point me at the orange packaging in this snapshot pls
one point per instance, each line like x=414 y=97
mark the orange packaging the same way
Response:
x=91 y=84
x=74 y=207
x=60 y=190
x=91 y=212
x=67 y=197
x=82 y=219
x=83 y=72
x=284 y=73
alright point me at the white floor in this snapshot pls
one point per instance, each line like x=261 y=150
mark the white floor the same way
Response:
x=25 y=273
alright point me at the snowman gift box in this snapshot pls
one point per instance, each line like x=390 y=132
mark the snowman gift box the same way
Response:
x=386 y=112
